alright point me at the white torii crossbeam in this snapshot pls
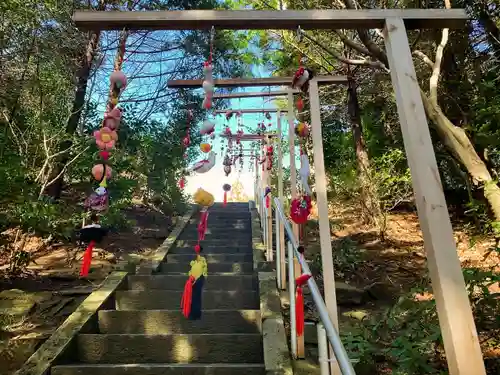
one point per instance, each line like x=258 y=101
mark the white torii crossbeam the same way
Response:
x=461 y=344
x=268 y=19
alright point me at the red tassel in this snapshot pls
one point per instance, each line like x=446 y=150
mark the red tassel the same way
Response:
x=225 y=198
x=299 y=303
x=268 y=201
x=299 y=311
x=182 y=183
x=187 y=297
x=87 y=259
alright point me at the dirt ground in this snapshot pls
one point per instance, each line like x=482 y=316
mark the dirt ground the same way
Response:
x=35 y=303
x=390 y=268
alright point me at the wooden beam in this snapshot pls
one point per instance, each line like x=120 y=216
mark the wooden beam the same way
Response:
x=257 y=94
x=252 y=110
x=250 y=82
x=266 y=19
x=461 y=344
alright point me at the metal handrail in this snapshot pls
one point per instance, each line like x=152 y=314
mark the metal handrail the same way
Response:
x=333 y=337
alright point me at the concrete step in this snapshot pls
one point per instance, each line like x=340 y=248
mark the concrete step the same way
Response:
x=161 y=369
x=228 y=241
x=209 y=248
x=165 y=322
x=169 y=299
x=211 y=258
x=228 y=224
x=194 y=348
x=213 y=268
x=177 y=282
x=237 y=234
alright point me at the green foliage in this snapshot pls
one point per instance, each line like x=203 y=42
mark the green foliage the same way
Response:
x=406 y=337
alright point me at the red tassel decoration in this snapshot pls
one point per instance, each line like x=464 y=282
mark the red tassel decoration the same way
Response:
x=268 y=201
x=225 y=198
x=87 y=260
x=299 y=303
x=182 y=183
x=187 y=297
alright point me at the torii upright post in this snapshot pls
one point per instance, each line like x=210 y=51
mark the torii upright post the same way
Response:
x=460 y=339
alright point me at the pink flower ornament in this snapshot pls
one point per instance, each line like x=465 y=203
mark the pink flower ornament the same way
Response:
x=105 y=138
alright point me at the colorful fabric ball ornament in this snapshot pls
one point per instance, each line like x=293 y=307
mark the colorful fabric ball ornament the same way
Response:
x=205 y=147
x=186 y=141
x=101 y=171
x=203 y=198
x=98 y=200
x=207 y=127
x=105 y=138
x=300 y=209
x=299 y=104
x=301 y=79
x=208 y=86
x=182 y=183
x=226 y=188
x=207 y=102
x=227 y=170
x=112 y=118
x=267 y=194
x=205 y=165
x=302 y=129
x=118 y=79
x=304 y=172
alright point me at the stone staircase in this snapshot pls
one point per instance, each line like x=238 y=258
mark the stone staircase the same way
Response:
x=146 y=334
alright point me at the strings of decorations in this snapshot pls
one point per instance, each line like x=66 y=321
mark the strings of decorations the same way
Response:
x=105 y=139
x=186 y=141
x=192 y=295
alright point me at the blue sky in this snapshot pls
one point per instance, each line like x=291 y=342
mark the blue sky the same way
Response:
x=143 y=65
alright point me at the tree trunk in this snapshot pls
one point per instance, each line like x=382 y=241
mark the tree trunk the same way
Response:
x=54 y=189
x=369 y=199
x=457 y=142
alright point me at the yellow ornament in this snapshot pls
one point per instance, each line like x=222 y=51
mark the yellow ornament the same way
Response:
x=205 y=147
x=203 y=198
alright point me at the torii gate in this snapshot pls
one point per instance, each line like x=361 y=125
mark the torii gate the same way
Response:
x=455 y=315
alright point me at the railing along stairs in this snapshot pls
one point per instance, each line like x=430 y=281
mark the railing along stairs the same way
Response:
x=327 y=332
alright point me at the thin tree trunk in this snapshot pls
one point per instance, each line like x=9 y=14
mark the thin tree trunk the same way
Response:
x=457 y=142
x=54 y=190
x=369 y=199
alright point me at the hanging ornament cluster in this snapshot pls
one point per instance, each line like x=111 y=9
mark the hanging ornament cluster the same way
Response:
x=105 y=139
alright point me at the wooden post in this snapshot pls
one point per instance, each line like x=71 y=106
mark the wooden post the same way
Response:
x=270 y=208
x=291 y=145
x=460 y=339
x=281 y=255
x=324 y=221
x=301 y=350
